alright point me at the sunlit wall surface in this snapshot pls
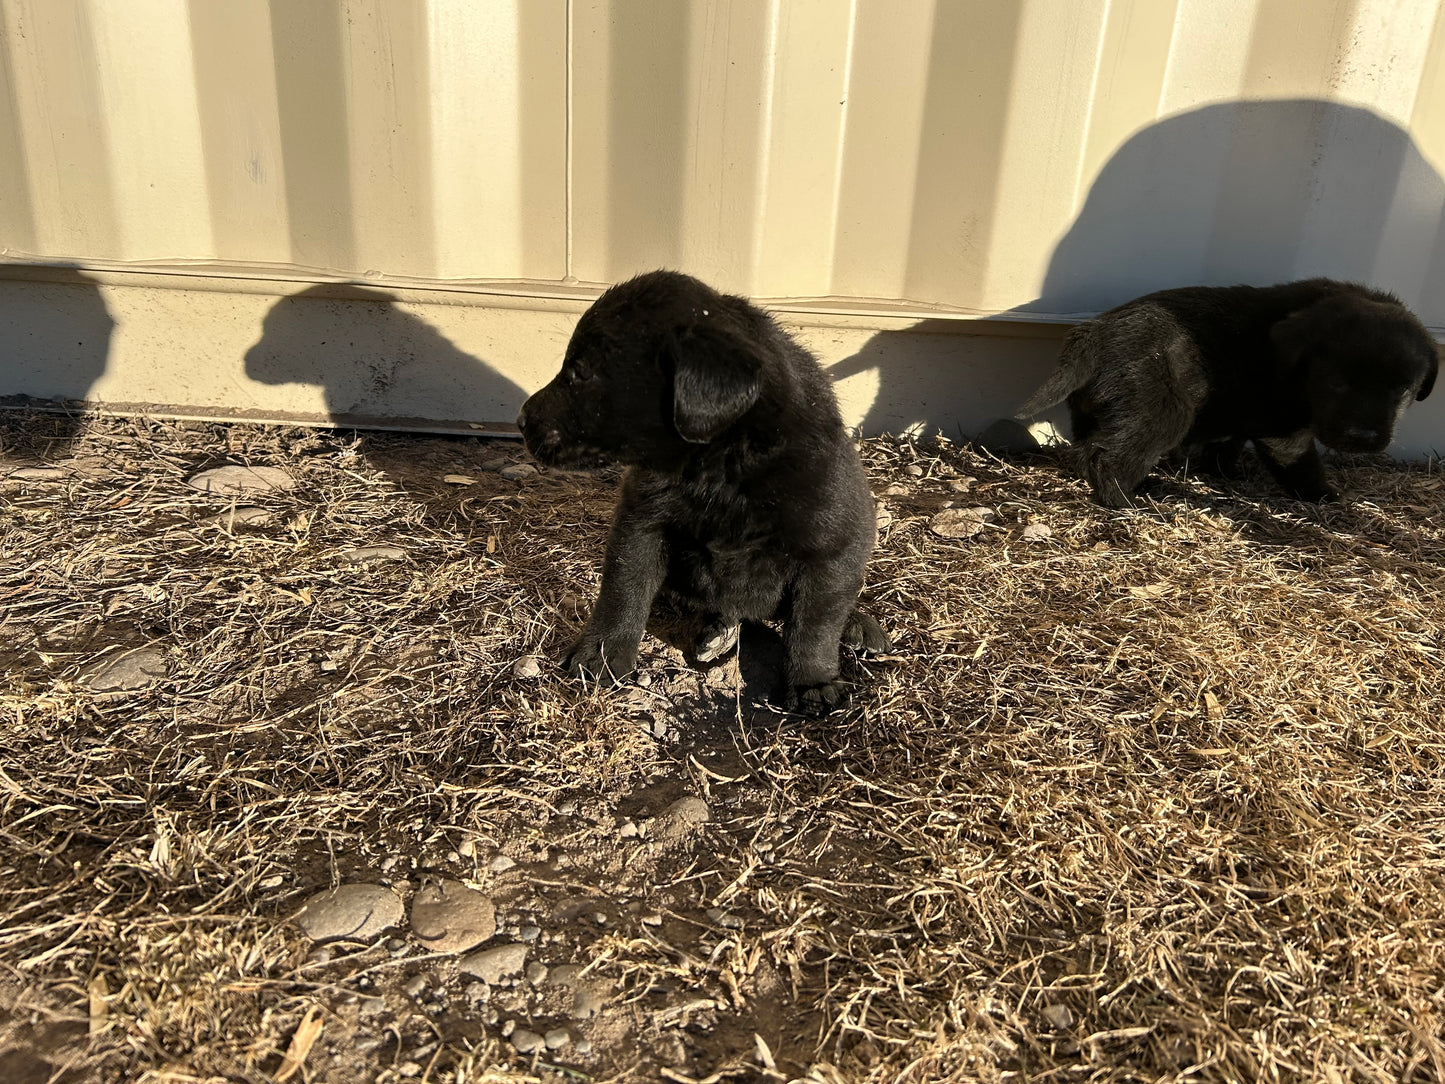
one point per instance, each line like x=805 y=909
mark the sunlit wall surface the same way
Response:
x=983 y=155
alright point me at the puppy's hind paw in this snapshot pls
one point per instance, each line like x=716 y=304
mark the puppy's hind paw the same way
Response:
x=590 y=660
x=715 y=641
x=817 y=699
x=863 y=633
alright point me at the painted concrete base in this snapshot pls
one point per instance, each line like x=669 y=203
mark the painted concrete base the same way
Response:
x=229 y=347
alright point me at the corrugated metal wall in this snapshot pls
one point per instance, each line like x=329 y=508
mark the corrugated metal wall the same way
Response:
x=1030 y=157
x=984 y=155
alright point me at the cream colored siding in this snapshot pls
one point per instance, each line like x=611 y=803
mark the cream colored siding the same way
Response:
x=1034 y=159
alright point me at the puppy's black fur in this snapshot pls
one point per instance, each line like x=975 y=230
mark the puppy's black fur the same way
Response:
x=744 y=498
x=1208 y=368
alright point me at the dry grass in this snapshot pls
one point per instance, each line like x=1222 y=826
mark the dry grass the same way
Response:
x=1159 y=798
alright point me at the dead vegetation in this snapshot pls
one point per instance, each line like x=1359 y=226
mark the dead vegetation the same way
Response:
x=1156 y=797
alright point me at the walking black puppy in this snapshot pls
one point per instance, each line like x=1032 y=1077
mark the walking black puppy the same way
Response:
x=744 y=498
x=1216 y=366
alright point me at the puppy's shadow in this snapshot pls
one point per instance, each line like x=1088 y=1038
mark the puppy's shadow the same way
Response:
x=753 y=670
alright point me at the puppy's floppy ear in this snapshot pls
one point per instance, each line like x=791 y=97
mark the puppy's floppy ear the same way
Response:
x=717 y=377
x=1292 y=335
x=1430 y=375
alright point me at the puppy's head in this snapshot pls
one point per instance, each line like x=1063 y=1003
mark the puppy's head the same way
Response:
x=1362 y=361
x=659 y=365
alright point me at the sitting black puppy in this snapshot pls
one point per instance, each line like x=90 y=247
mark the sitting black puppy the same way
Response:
x=745 y=498
x=1214 y=367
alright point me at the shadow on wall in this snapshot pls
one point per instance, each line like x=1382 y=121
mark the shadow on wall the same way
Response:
x=1237 y=192
x=375 y=361
x=54 y=343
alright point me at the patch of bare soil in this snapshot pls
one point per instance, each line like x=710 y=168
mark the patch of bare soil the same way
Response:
x=1139 y=796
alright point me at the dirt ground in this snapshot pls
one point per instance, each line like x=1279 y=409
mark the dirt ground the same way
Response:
x=1138 y=796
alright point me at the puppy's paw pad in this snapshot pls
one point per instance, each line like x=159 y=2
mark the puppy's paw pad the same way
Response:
x=863 y=633
x=715 y=641
x=817 y=699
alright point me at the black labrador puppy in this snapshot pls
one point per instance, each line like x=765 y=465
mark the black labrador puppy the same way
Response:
x=1208 y=368
x=744 y=499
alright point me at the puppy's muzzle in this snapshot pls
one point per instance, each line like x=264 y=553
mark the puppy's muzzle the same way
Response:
x=1358 y=438
x=542 y=440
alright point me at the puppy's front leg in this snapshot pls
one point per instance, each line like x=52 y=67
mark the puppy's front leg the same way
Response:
x=1295 y=463
x=822 y=602
x=632 y=572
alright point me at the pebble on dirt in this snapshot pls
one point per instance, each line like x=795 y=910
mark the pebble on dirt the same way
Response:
x=494 y=964
x=234 y=480
x=365 y=555
x=680 y=818
x=1037 y=532
x=135 y=669
x=527 y=667
x=518 y=472
x=450 y=917
x=961 y=522
x=352 y=912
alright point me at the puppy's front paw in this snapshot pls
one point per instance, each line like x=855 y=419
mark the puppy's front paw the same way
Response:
x=863 y=633
x=715 y=641
x=594 y=659
x=817 y=699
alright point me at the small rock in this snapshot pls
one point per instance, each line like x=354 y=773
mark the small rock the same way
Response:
x=1037 y=532
x=536 y=973
x=586 y=1003
x=529 y=933
x=454 y=856
x=652 y=919
x=518 y=472
x=508 y=1027
x=527 y=1042
x=127 y=671
x=36 y=474
x=881 y=516
x=397 y=947
x=564 y=975
x=527 y=667
x=645 y=680
x=477 y=992
x=599 y=917
x=467 y=848
x=365 y=555
x=273 y=881
x=415 y=986
x=388 y=862
x=501 y=864
x=354 y=912
x=680 y=818
x=371 y=1006
x=583 y=1048
x=627 y=830
x=409 y=1069
x=914 y=470
x=459 y=480
x=962 y=485
x=247 y=515
x=557 y=1038
x=896 y=490
x=235 y=480
x=450 y=917
x=567 y=807
x=960 y=522
x=728 y=921
x=1060 y=1017
x=493 y=964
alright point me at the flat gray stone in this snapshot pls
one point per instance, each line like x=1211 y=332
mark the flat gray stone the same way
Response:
x=233 y=481
x=138 y=668
x=586 y=1003
x=354 y=912
x=1037 y=532
x=450 y=917
x=960 y=522
x=564 y=975
x=527 y=1042
x=557 y=1038
x=518 y=472
x=37 y=474
x=247 y=515
x=365 y=555
x=527 y=667
x=493 y=964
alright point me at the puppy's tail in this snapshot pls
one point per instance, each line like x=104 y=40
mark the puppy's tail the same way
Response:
x=1077 y=366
